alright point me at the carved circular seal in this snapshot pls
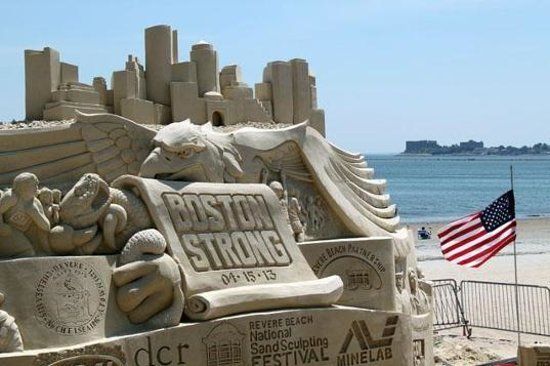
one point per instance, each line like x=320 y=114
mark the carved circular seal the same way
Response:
x=70 y=298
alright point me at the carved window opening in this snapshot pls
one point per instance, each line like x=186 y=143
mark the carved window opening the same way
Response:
x=217 y=119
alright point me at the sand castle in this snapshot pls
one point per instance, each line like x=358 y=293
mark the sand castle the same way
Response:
x=123 y=244
x=168 y=90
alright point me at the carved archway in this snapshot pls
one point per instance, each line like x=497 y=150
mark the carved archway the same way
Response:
x=217 y=119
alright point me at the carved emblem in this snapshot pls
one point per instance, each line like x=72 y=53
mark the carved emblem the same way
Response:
x=93 y=355
x=359 y=274
x=368 y=348
x=224 y=345
x=70 y=298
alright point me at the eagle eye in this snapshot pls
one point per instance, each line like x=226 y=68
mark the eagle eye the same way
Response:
x=186 y=153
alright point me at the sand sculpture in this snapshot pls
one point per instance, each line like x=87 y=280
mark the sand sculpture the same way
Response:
x=126 y=245
x=168 y=90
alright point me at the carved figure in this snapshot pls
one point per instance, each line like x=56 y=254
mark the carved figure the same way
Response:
x=313 y=214
x=22 y=218
x=10 y=337
x=56 y=195
x=291 y=209
x=294 y=215
x=51 y=209
x=420 y=301
x=277 y=188
x=403 y=295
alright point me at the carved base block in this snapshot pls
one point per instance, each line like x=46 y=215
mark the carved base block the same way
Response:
x=366 y=266
x=62 y=301
x=423 y=342
x=534 y=355
x=329 y=336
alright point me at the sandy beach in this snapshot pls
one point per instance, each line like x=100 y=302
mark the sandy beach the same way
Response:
x=533 y=261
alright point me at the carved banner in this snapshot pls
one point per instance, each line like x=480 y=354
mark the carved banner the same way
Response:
x=224 y=235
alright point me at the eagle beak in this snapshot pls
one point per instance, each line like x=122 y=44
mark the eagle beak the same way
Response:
x=151 y=165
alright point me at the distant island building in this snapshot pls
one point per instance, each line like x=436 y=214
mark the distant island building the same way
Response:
x=433 y=148
x=166 y=90
x=470 y=145
x=421 y=147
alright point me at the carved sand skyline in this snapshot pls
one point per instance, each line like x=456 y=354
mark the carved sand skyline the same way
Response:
x=166 y=90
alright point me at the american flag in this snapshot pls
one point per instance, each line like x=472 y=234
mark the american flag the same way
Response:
x=474 y=239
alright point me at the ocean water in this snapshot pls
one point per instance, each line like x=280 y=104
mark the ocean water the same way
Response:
x=443 y=188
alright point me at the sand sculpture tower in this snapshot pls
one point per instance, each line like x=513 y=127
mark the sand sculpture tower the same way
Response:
x=160 y=54
x=279 y=75
x=301 y=98
x=42 y=75
x=206 y=59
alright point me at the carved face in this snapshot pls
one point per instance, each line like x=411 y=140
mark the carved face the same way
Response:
x=184 y=151
x=25 y=185
x=399 y=281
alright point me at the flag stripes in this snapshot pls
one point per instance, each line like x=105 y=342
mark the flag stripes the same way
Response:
x=473 y=240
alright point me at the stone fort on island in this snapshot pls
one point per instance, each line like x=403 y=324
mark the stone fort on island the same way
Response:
x=168 y=90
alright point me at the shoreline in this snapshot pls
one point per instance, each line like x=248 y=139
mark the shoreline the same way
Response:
x=472 y=155
x=444 y=221
x=436 y=222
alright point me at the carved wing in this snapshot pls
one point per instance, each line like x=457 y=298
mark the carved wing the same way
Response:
x=343 y=178
x=287 y=158
x=106 y=144
x=347 y=180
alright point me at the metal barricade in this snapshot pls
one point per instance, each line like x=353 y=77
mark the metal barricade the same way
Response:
x=493 y=305
x=448 y=312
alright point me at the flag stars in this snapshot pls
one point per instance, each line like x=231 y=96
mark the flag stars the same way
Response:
x=499 y=212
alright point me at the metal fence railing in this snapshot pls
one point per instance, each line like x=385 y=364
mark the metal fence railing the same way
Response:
x=448 y=312
x=493 y=305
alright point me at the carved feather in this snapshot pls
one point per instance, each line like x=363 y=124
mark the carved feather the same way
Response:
x=343 y=178
x=102 y=143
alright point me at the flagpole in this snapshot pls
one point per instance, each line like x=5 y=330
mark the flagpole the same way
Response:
x=515 y=265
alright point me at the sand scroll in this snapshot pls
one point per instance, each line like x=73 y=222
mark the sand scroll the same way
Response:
x=231 y=236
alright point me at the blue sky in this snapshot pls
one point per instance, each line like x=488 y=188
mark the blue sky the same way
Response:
x=387 y=71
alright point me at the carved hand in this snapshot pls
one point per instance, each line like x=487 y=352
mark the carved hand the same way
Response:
x=149 y=281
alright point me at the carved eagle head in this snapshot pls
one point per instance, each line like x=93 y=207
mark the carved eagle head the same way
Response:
x=189 y=152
